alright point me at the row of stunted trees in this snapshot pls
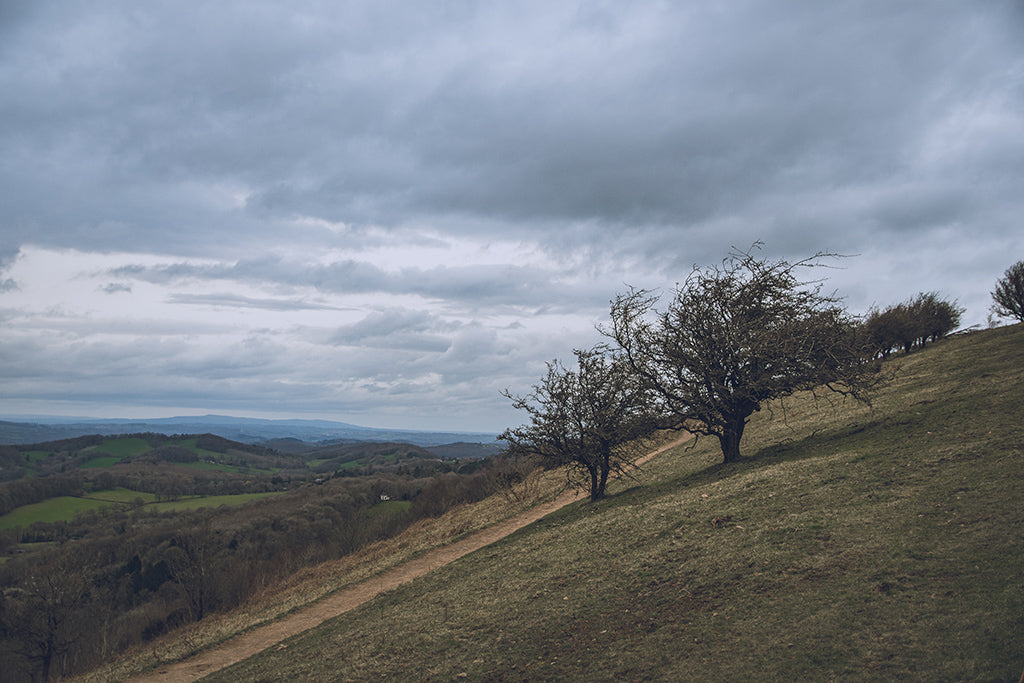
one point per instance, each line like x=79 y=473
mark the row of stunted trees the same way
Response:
x=910 y=324
x=727 y=340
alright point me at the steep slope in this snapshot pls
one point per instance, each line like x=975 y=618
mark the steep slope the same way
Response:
x=872 y=544
x=850 y=543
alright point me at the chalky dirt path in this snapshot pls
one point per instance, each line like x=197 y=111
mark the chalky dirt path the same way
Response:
x=248 y=644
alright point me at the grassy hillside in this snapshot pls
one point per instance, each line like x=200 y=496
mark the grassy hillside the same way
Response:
x=850 y=543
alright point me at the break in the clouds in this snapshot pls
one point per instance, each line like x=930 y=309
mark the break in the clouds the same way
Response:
x=388 y=212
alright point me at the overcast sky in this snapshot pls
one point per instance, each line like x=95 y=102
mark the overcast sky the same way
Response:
x=387 y=212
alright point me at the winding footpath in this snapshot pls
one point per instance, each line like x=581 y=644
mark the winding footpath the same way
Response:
x=252 y=642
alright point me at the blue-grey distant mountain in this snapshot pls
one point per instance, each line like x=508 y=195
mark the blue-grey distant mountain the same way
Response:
x=34 y=429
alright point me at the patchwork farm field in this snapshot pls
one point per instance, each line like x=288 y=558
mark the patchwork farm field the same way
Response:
x=64 y=508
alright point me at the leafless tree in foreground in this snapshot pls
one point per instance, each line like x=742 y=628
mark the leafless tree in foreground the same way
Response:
x=588 y=419
x=734 y=336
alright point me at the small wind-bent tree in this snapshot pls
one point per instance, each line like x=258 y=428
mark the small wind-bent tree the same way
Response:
x=735 y=336
x=588 y=419
x=1008 y=297
x=935 y=317
x=888 y=330
x=910 y=324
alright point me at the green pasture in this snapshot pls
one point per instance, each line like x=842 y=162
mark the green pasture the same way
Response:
x=351 y=465
x=124 y=447
x=389 y=507
x=209 y=501
x=102 y=461
x=191 y=444
x=61 y=509
x=35 y=456
x=64 y=508
x=114 y=450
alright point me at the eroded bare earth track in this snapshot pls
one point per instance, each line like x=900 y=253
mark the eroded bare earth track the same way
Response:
x=248 y=644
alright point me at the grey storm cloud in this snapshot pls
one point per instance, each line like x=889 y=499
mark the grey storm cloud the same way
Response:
x=116 y=288
x=479 y=284
x=254 y=166
x=665 y=113
x=235 y=301
x=398 y=329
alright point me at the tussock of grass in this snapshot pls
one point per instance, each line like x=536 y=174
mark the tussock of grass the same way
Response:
x=851 y=543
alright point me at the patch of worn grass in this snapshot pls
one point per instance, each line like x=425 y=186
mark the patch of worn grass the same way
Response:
x=852 y=543
x=64 y=508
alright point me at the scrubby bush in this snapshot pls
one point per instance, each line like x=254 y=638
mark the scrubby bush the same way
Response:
x=909 y=324
x=1008 y=296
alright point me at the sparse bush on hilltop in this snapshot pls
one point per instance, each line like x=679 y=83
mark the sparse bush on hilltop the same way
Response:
x=1008 y=296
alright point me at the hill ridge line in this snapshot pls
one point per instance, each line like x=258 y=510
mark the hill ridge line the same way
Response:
x=241 y=647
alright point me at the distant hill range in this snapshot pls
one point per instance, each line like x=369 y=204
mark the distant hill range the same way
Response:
x=18 y=430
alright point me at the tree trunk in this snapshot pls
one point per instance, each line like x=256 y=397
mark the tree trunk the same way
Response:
x=597 y=480
x=599 y=473
x=601 y=484
x=730 y=437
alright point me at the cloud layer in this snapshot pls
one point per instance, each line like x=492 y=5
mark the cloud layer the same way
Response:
x=390 y=211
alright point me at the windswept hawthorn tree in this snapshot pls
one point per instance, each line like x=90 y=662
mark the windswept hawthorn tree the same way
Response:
x=588 y=419
x=734 y=336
